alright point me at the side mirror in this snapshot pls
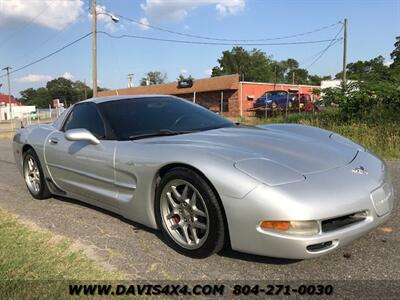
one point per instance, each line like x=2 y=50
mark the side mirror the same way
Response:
x=81 y=134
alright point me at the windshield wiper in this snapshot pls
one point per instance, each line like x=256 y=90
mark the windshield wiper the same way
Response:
x=162 y=132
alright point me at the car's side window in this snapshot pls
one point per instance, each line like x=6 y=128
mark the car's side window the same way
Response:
x=85 y=116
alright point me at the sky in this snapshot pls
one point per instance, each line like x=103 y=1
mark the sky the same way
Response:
x=31 y=29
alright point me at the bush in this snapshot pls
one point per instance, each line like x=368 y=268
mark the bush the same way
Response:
x=369 y=101
x=379 y=132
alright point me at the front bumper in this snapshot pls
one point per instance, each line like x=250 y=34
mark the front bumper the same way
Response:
x=321 y=196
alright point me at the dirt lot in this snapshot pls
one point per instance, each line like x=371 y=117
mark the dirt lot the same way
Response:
x=141 y=254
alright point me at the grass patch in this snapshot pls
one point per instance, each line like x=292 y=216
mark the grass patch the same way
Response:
x=37 y=260
x=380 y=136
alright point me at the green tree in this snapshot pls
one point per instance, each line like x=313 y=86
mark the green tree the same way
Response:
x=236 y=61
x=369 y=70
x=182 y=77
x=61 y=88
x=153 y=77
x=252 y=65
x=395 y=55
x=297 y=76
x=256 y=65
x=39 y=97
x=81 y=91
x=69 y=92
x=260 y=67
x=316 y=80
x=27 y=95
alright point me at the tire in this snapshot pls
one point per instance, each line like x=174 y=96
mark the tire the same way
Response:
x=274 y=105
x=175 y=215
x=34 y=173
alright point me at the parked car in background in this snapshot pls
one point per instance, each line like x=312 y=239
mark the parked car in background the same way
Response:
x=304 y=101
x=274 y=99
x=34 y=115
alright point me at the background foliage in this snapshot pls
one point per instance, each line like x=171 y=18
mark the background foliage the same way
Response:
x=256 y=65
x=373 y=94
x=69 y=92
x=366 y=109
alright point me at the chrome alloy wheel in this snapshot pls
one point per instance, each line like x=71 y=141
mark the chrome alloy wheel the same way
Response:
x=184 y=214
x=32 y=175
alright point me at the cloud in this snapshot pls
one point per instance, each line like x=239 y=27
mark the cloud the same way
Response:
x=35 y=78
x=178 y=9
x=230 y=7
x=68 y=75
x=208 y=72
x=144 y=22
x=184 y=71
x=55 y=14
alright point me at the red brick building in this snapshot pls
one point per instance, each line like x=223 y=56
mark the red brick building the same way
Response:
x=224 y=94
x=5 y=100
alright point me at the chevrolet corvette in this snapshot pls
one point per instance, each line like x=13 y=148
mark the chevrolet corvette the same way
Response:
x=281 y=190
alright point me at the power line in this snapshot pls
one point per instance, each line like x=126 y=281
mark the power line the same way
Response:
x=42 y=44
x=312 y=57
x=223 y=39
x=49 y=55
x=333 y=41
x=210 y=43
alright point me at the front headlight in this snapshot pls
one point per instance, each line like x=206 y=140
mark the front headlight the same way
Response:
x=303 y=228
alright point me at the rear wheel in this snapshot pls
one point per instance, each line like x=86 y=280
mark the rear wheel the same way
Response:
x=34 y=177
x=188 y=213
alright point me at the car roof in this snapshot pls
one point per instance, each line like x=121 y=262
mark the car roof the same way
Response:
x=99 y=100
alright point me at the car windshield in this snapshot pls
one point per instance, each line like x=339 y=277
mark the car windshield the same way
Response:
x=156 y=116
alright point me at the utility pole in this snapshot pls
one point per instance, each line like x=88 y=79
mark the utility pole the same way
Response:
x=7 y=69
x=94 y=47
x=344 y=52
x=130 y=80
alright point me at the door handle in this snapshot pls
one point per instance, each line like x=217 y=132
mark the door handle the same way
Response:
x=53 y=141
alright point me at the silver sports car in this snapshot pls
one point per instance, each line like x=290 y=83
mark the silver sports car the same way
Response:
x=281 y=190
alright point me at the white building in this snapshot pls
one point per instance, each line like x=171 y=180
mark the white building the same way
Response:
x=15 y=111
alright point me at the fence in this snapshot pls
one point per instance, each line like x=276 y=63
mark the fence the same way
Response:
x=41 y=116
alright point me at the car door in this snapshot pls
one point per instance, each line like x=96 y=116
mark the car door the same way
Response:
x=82 y=169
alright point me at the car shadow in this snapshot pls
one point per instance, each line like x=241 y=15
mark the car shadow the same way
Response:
x=226 y=252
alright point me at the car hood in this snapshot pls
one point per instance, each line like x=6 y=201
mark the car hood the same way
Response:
x=303 y=153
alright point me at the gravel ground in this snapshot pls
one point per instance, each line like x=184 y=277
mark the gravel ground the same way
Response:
x=139 y=252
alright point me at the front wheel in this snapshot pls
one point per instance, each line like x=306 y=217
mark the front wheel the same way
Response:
x=34 y=177
x=188 y=213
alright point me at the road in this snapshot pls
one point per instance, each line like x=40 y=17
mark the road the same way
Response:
x=140 y=254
